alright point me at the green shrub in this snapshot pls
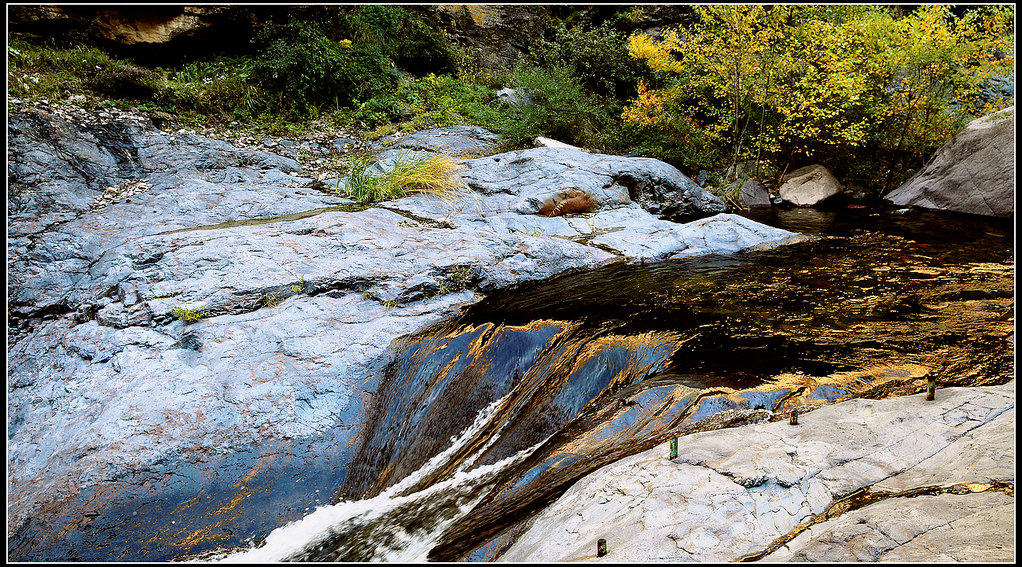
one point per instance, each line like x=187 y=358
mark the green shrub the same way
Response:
x=402 y=37
x=424 y=50
x=597 y=57
x=305 y=69
x=381 y=109
x=561 y=109
x=125 y=81
x=443 y=100
x=228 y=97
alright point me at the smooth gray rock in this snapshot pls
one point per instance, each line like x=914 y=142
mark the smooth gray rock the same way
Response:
x=453 y=140
x=754 y=194
x=732 y=492
x=341 y=145
x=61 y=160
x=972 y=173
x=512 y=190
x=970 y=528
x=809 y=186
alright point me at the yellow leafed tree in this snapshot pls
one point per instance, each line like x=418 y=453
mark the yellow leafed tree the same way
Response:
x=789 y=84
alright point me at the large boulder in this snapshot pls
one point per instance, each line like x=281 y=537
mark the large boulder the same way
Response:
x=972 y=173
x=754 y=194
x=809 y=186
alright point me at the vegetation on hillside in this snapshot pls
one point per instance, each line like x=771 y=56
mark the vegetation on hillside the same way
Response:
x=865 y=90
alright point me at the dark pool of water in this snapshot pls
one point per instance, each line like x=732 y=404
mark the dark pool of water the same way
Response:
x=720 y=292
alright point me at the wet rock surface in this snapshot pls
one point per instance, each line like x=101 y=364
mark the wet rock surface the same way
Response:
x=870 y=315
x=972 y=173
x=189 y=321
x=733 y=493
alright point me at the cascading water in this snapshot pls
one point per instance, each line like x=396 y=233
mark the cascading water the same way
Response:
x=396 y=525
x=532 y=380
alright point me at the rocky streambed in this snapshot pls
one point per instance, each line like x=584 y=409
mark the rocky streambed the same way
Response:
x=191 y=324
x=205 y=346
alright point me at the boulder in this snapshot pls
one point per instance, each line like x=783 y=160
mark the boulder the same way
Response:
x=808 y=186
x=754 y=194
x=972 y=173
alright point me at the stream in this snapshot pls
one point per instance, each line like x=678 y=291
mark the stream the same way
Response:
x=483 y=420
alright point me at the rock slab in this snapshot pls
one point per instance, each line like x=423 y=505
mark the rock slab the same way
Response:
x=116 y=228
x=731 y=493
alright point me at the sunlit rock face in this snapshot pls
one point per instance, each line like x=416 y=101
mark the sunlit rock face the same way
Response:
x=809 y=186
x=972 y=173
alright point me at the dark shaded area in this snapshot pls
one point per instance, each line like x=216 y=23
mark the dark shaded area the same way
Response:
x=187 y=507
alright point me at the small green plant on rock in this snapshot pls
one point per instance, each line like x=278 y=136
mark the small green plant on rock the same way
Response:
x=297 y=288
x=269 y=300
x=187 y=314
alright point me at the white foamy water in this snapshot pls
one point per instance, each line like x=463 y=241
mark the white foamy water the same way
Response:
x=457 y=443
x=375 y=525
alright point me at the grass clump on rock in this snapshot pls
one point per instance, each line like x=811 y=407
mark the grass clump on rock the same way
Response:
x=188 y=314
x=432 y=175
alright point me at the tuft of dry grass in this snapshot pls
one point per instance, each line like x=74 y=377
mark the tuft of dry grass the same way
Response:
x=434 y=175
